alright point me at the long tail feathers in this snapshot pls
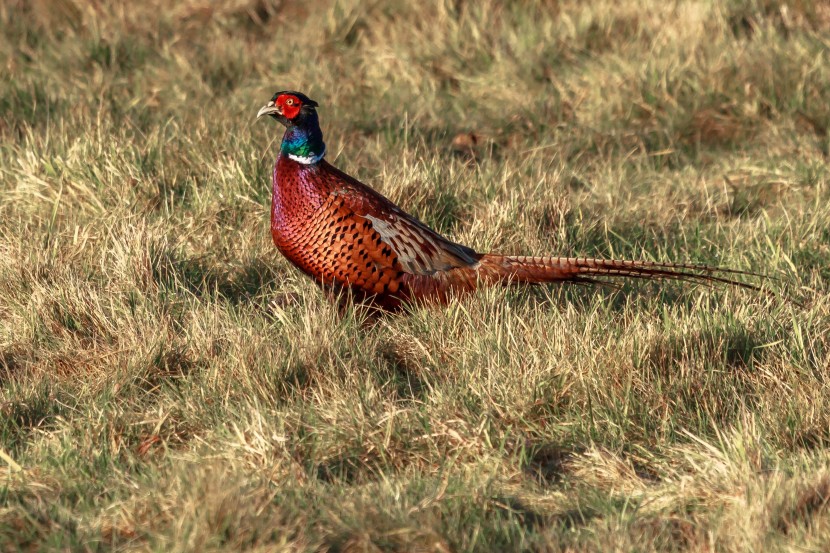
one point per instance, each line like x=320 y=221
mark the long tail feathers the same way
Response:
x=584 y=270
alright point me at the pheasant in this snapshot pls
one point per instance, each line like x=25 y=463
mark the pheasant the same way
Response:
x=349 y=238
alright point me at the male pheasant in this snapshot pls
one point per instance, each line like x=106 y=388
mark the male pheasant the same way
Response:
x=349 y=238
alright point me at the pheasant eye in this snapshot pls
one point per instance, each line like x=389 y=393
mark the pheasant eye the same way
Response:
x=289 y=102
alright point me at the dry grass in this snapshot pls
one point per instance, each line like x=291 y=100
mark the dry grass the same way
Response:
x=168 y=382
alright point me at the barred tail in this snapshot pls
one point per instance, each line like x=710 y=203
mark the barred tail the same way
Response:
x=583 y=270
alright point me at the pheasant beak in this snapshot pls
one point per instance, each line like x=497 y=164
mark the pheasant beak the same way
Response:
x=269 y=109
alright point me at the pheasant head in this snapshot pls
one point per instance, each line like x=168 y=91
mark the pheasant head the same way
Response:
x=303 y=139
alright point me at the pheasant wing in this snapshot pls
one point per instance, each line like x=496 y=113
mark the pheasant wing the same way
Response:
x=419 y=249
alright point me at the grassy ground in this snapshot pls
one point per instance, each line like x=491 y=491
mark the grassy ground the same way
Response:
x=169 y=383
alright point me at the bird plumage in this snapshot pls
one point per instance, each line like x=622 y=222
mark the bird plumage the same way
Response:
x=346 y=236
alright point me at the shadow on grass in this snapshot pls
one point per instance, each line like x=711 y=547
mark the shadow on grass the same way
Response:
x=402 y=374
x=168 y=364
x=198 y=276
x=23 y=105
x=570 y=519
x=546 y=462
x=807 y=505
x=36 y=410
x=347 y=469
x=733 y=347
x=528 y=517
x=13 y=361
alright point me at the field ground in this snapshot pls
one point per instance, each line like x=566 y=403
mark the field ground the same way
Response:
x=168 y=382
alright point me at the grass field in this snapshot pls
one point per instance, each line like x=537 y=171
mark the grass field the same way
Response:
x=169 y=383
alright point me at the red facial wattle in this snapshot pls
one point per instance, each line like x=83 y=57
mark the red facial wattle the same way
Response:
x=290 y=105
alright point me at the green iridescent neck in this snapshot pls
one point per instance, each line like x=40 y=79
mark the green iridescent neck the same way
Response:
x=303 y=142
